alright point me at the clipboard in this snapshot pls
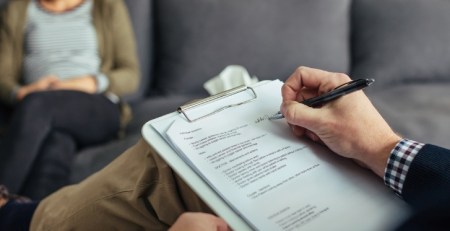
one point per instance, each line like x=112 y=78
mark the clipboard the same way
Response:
x=197 y=184
x=154 y=131
x=186 y=108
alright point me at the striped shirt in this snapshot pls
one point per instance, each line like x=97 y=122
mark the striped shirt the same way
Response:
x=61 y=44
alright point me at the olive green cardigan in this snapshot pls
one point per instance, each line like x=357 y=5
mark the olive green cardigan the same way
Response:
x=115 y=43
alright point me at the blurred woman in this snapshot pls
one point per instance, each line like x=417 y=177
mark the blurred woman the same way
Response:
x=63 y=66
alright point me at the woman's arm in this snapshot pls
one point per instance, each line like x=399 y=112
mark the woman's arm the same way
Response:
x=11 y=21
x=123 y=70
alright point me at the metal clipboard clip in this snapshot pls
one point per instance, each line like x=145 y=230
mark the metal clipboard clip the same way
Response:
x=215 y=98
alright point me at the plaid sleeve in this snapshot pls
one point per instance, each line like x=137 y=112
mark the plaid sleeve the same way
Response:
x=398 y=163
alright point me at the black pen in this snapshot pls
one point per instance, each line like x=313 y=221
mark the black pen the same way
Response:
x=339 y=91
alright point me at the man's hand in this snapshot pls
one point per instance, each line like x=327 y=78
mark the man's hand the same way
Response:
x=350 y=125
x=199 y=222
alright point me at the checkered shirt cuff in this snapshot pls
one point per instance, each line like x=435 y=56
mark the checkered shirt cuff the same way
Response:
x=398 y=163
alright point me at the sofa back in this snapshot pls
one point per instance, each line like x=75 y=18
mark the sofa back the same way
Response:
x=196 y=39
x=393 y=41
x=401 y=41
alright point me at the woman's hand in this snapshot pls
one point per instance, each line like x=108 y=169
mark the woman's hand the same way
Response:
x=350 y=125
x=85 y=83
x=42 y=84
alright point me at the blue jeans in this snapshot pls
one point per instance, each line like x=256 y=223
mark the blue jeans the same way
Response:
x=45 y=132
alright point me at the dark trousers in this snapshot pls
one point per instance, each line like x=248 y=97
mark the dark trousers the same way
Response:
x=16 y=216
x=46 y=130
x=5 y=114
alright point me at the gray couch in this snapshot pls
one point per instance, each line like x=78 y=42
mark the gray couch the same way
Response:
x=404 y=45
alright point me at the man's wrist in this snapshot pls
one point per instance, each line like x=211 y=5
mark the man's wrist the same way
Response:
x=399 y=162
x=378 y=161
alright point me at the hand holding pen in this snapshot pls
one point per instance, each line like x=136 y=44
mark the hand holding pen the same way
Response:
x=350 y=127
x=339 y=91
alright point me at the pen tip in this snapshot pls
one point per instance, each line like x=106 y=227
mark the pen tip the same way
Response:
x=276 y=116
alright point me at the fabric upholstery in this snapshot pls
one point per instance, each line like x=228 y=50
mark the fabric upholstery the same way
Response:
x=140 y=12
x=155 y=107
x=417 y=111
x=95 y=158
x=196 y=40
x=398 y=41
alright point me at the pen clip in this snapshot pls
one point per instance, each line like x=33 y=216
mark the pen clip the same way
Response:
x=366 y=82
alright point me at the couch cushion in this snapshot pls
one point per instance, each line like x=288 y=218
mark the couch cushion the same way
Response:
x=154 y=107
x=398 y=41
x=196 y=39
x=417 y=111
x=95 y=158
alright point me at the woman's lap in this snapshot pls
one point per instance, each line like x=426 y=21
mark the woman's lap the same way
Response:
x=85 y=118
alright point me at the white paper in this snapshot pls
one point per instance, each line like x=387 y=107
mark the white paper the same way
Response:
x=276 y=181
x=232 y=76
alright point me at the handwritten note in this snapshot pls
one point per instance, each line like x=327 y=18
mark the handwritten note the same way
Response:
x=262 y=119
